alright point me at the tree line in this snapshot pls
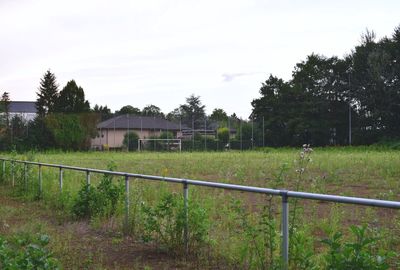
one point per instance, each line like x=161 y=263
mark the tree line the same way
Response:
x=336 y=101
x=328 y=101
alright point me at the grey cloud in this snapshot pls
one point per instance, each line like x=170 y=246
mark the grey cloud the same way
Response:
x=228 y=77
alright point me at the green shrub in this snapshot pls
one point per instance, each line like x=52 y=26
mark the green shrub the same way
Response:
x=165 y=222
x=362 y=253
x=223 y=135
x=25 y=253
x=130 y=141
x=166 y=135
x=98 y=201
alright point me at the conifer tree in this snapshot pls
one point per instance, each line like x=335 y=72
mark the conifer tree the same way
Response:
x=47 y=95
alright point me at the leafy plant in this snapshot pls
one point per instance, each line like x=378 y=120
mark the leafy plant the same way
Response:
x=165 y=224
x=361 y=253
x=98 y=201
x=130 y=141
x=25 y=253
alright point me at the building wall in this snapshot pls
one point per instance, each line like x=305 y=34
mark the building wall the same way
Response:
x=114 y=139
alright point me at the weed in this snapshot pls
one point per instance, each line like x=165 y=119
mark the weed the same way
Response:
x=165 y=222
x=98 y=201
x=358 y=254
x=27 y=252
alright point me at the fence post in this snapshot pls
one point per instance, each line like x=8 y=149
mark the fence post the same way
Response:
x=25 y=176
x=88 y=179
x=61 y=179
x=126 y=203
x=4 y=170
x=40 y=181
x=285 y=229
x=186 y=227
x=12 y=173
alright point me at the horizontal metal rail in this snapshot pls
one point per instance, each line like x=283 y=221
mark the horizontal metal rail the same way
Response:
x=276 y=192
x=284 y=194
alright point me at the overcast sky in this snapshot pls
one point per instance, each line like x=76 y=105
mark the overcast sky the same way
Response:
x=159 y=52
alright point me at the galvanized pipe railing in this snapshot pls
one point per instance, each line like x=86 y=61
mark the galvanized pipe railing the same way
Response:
x=284 y=194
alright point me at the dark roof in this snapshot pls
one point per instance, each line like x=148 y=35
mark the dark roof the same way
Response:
x=137 y=122
x=22 y=107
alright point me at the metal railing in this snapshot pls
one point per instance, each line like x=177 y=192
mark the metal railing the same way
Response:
x=284 y=194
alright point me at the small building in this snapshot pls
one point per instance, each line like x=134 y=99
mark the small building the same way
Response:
x=24 y=109
x=112 y=131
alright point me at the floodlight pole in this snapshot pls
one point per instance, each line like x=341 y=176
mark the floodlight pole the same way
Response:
x=205 y=134
x=127 y=116
x=349 y=110
x=263 y=132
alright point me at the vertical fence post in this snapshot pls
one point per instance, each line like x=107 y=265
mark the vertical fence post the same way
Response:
x=285 y=229
x=12 y=173
x=61 y=179
x=88 y=179
x=4 y=170
x=126 y=203
x=186 y=227
x=40 y=181
x=26 y=176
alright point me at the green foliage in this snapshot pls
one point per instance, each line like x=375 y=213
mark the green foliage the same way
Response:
x=223 y=135
x=71 y=99
x=130 y=141
x=72 y=131
x=98 y=201
x=152 y=110
x=388 y=144
x=67 y=131
x=47 y=95
x=128 y=109
x=219 y=115
x=166 y=135
x=192 y=112
x=259 y=239
x=314 y=106
x=103 y=111
x=27 y=253
x=165 y=222
x=361 y=253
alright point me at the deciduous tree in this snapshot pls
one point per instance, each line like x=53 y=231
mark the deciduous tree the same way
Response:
x=72 y=99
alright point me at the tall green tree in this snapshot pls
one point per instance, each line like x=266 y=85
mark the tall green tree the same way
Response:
x=5 y=130
x=275 y=104
x=72 y=99
x=219 y=115
x=152 y=110
x=5 y=108
x=175 y=115
x=47 y=95
x=128 y=109
x=103 y=111
x=375 y=86
x=193 y=112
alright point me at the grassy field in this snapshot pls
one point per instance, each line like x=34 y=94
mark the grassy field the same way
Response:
x=234 y=229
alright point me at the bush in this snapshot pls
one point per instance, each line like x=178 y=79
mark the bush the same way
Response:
x=131 y=141
x=355 y=255
x=99 y=201
x=166 y=135
x=223 y=135
x=165 y=222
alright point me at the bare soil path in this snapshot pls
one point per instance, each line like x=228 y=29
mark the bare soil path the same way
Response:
x=77 y=244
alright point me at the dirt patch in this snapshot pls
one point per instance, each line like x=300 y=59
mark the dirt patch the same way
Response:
x=79 y=246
